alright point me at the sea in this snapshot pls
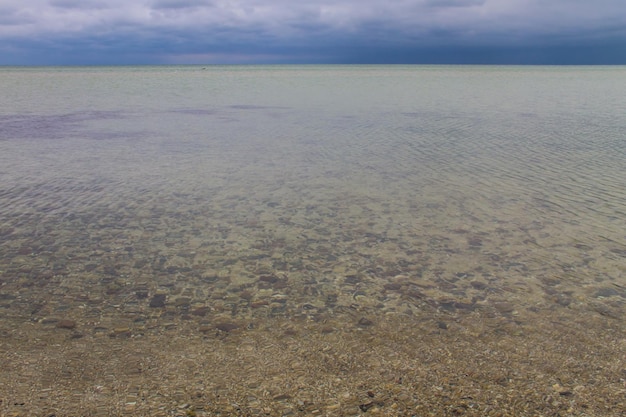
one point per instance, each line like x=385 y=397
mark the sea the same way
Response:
x=313 y=240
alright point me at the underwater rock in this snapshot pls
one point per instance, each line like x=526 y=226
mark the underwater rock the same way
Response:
x=477 y=285
x=327 y=329
x=66 y=324
x=504 y=307
x=226 y=326
x=182 y=302
x=200 y=311
x=158 y=300
x=364 y=322
x=393 y=286
x=606 y=292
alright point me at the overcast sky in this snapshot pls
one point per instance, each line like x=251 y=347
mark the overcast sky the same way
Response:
x=312 y=31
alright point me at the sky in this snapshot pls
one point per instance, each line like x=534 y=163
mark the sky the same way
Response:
x=132 y=32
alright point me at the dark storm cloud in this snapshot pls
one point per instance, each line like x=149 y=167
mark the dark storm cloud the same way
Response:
x=79 y=4
x=179 y=4
x=454 y=3
x=206 y=31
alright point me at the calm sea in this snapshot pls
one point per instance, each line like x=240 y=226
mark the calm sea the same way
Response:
x=218 y=198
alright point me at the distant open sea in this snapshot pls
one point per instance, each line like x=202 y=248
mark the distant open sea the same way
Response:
x=209 y=200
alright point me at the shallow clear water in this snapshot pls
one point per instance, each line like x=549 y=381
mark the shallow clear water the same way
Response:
x=311 y=193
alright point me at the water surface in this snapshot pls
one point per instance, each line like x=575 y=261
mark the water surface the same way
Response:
x=358 y=209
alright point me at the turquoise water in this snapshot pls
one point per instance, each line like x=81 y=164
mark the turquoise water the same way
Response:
x=203 y=200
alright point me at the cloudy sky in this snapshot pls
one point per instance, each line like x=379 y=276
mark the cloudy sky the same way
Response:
x=73 y=32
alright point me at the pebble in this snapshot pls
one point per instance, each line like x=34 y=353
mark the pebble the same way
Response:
x=205 y=328
x=158 y=300
x=120 y=330
x=561 y=390
x=226 y=326
x=365 y=322
x=66 y=324
x=200 y=311
x=504 y=307
x=366 y=406
x=606 y=292
x=478 y=285
x=182 y=302
x=282 y=397
x=258 y=304
x=327 y=329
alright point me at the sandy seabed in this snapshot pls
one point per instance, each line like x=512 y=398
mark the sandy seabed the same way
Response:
x=481 y=363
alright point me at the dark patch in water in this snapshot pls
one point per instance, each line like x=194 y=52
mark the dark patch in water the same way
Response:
x=34 y=126
x=608 y=292
x=226 y=327
x=621 y=252
x=254 y=107
x=195 y=112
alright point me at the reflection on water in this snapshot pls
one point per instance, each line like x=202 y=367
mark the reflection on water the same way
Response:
x=313 y=241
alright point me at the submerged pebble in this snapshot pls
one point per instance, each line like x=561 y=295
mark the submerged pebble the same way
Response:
x=66 y=324
x=226 y=326
x=158 y=300
x=365 y=322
